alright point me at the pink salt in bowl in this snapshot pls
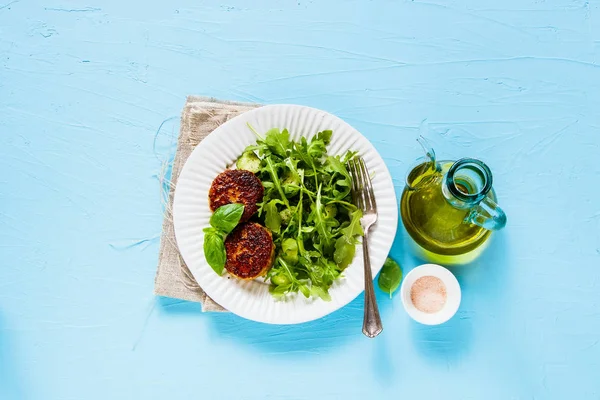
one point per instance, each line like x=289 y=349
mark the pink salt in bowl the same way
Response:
x=430 y=294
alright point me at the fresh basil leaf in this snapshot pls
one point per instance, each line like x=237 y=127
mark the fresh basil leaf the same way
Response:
x=390 y=276
x=227 y=217
x=210 y=230
x=214 y=251
x=272 y=217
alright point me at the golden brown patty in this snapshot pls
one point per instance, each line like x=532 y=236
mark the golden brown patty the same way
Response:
x=236 y=186
x=250 y=250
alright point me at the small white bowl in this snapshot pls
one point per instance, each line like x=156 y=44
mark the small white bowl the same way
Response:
x=453 y=294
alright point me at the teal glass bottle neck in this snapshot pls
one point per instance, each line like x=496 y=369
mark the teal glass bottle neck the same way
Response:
x=467 y=183
x=466 y=186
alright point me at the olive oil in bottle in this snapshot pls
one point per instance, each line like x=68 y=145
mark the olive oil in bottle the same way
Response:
x=440 y=229
x=449 y=208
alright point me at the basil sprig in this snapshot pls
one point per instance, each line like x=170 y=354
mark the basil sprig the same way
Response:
x=222 y=222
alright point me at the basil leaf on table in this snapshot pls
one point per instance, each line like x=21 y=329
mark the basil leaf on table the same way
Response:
x=214 y=250
x=390 y=276
x=227 y=217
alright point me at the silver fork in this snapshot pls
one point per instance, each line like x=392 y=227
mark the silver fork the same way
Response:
x=364 y=199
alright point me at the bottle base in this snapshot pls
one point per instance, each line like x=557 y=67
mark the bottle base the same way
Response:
x=459 y=259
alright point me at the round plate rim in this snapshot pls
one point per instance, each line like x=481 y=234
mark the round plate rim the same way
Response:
x=215 y=136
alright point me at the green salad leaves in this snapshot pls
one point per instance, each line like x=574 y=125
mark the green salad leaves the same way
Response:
x=307 y=206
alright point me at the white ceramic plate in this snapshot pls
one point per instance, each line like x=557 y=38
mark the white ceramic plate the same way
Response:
x=191 y=212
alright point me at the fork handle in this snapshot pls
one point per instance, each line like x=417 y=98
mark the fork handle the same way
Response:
x=371 y=321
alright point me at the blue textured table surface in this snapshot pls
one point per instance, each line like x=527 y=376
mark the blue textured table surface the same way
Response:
x=84 y=88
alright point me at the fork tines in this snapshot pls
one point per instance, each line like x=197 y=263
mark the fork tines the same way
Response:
x=362 y=189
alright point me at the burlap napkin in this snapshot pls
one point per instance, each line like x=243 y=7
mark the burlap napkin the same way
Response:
x=200 y=116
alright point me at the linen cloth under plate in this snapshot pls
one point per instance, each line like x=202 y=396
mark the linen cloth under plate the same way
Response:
x=200 y=116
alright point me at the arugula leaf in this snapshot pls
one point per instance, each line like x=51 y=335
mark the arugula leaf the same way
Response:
x=345 y=248
x=280 y=291
x=316 y=149
x=390 y=276
x=354 y=228
x=289 y=248
x=214 y=251
x=277 y=141
x=316 y=231
x=276 y=181
x=318 y=217
x=335 y=165
x=300 y=152
x=325 y=136
x=330 y=211
x=348 y=156
x=272 y=217
x=305 y=290
x=320 y=292
x=227 y=217
x=340 y=177
x=345 y=245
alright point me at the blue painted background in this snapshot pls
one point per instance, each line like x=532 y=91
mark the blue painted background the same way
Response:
x=84 y=87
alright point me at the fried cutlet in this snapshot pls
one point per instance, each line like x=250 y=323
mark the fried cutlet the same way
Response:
x=236 y=186
x=250 y=251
